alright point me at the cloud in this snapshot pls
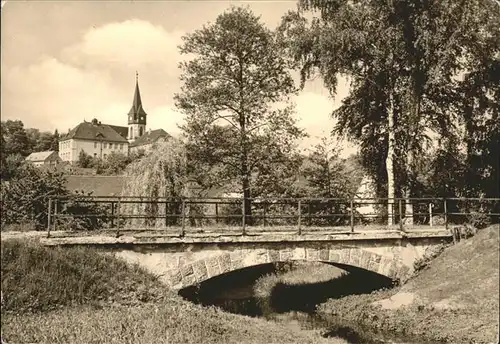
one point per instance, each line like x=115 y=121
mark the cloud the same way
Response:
x=131 y=44
x=94 y=78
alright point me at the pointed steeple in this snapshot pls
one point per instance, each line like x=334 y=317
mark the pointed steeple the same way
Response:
x=137 y=115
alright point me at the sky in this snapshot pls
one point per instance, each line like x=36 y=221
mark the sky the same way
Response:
x=68 y=61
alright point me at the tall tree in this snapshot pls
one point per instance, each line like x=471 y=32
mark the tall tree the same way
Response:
x=162 y=173
x=16 y=139
x=327 y=176
x=235 y=95
x=54 y=144
x=326 y=173
x=402 y=57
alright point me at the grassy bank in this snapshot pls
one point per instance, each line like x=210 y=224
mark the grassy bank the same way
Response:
x=56 y=295
x=454 y=300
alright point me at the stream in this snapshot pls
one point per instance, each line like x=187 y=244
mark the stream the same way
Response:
x=289 y=293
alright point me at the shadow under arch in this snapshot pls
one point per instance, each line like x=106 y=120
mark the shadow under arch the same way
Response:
x=304 y=297
x=233 y=291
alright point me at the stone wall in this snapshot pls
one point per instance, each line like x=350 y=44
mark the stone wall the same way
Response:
x=183 y=265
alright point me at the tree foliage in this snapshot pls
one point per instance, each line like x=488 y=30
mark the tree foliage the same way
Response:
x=84 y=160
x=239 y=127
x=25 y=197
x=15 y=138
x=436 y=59
x=160 y=174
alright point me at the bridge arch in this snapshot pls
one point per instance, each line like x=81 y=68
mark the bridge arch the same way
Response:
x=222 y=262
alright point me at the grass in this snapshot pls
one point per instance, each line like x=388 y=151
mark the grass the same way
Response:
x=454 y=300
x=298 y=273
x=36 y=278
x=55 y=295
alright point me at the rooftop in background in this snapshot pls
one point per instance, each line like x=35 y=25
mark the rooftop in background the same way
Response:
x=95 y=130
x=98 y=185
x=150 y=137
x=39 y=156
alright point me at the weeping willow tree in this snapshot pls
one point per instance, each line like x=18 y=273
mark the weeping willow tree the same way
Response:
x=160 y=174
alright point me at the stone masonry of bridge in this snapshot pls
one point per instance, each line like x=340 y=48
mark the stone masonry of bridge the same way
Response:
x=184 y=261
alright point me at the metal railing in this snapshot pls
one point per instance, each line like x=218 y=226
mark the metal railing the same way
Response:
x=130 y=213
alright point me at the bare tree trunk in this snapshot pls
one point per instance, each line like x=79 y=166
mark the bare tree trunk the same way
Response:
x=407 y=192
x=390 y=163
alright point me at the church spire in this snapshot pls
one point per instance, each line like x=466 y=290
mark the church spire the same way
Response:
x=137 y=115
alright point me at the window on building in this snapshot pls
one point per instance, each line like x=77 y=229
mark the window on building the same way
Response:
x=121 y=146
x=95 y=155
x=110 y=146
x=140 y=131
x=105 y=145
x=95 y=144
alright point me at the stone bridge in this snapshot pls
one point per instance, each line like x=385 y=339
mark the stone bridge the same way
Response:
x=185 y=261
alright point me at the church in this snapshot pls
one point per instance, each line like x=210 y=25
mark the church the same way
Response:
x=99 y=140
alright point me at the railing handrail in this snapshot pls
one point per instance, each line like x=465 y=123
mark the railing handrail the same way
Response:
x=346 y=200
x=326 y=212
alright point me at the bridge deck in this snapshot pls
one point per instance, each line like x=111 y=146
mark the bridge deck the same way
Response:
x=230 y=235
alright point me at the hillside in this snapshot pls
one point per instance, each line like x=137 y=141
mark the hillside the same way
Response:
x=455 y=300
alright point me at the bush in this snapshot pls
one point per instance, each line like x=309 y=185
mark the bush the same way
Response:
x=84 y=160
x=24 y=201
x=82 y=204
x=478 y=220
x=114 y=164
x=25 y=197
x=11 y=165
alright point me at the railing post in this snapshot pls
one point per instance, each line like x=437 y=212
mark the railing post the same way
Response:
x=216 y=213
x=49 y=214
x=183 y=224
x=430 y=214
x=244 y=215
x=400 y=204
x=299 y=213
x=118 y=213
x=55 y=214
x=352 y=215
x=265 y=213
x=309 y=213
x=112 y=214
x=445 y=205
x=166 y=213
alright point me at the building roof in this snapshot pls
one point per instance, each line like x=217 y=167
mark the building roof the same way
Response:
x=97 y=131
x=98 y=185
x=150 y=137
x=39 y=156
x=123 y=131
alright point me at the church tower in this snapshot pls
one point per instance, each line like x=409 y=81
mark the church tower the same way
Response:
x=136 y=115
